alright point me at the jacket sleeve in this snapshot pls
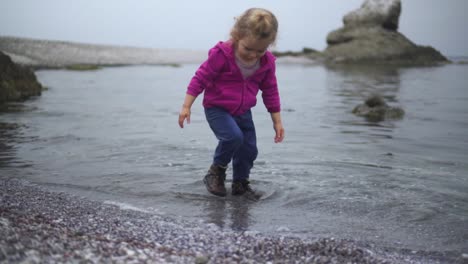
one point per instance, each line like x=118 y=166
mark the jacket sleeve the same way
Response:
x=269 y=88
x=207 y=72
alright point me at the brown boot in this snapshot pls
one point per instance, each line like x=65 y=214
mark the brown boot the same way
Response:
x=243 y=188
x=214 y=180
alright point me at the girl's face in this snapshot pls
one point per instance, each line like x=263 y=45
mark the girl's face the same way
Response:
x=250 y=49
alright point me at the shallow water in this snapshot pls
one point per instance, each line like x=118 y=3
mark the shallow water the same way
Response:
x=112 y=135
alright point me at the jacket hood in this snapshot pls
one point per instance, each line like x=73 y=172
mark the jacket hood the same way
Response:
x=226 y=47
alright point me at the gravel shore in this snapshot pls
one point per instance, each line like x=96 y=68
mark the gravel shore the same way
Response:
x=41 y=226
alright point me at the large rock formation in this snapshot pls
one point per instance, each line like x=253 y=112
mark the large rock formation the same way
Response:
x=16 y=82
x=370 y=35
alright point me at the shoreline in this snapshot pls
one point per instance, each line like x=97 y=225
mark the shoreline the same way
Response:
x=39 y=225
x=51 y=54
x=39 y=53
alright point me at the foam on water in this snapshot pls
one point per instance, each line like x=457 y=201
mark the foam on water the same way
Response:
x=126 y=206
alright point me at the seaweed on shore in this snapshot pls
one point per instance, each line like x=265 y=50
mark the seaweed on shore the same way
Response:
x=83 y=67
x=305 y=52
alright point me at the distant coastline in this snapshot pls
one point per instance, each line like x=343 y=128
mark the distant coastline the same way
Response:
x=38 y=53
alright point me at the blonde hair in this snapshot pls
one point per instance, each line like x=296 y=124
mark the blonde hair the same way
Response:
x=258 y=23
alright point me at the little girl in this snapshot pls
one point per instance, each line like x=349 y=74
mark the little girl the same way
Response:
x=231 y=77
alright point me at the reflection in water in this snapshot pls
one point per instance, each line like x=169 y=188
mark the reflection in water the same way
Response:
x=351 y=85
x=357 y=82
x=12 y=134
x=215 y=210
x=220 y=211
x=240 y=216
x=7 y=141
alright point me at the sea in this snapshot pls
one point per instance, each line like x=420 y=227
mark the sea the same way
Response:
x=112 y=135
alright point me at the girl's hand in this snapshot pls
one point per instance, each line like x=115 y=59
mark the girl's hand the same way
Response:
x=183 y=115
x=279 y=130
x=278 y=127
x=185 y=111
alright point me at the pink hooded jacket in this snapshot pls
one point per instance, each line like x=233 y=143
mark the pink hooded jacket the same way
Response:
x=225 y=87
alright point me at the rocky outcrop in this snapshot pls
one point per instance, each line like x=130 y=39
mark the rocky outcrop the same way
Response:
x=384 y=13
x=370 y=35
x=376 y=109
x=16 y=82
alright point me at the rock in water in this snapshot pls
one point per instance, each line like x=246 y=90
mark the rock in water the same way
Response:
x=370 y=35
x=375 y=101
x=375 y=109
x=16 y=82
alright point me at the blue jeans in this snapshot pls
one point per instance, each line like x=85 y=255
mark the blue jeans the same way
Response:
x=237 y=141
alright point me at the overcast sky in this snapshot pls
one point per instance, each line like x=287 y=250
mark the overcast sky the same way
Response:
x=200 y=24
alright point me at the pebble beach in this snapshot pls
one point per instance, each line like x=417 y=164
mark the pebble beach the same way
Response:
x=38 y=225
